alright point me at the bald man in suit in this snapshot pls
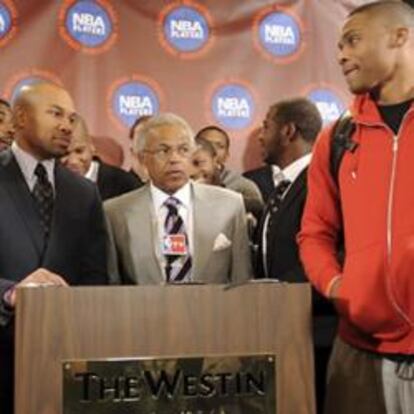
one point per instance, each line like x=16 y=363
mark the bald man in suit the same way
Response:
x=52 y=229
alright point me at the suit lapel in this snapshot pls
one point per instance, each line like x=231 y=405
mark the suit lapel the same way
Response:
x=143 y=217
x=19 y=192
x=61 y=207
x=295 y=191
x=201 y=231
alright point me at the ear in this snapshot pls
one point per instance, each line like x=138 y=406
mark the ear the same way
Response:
x=19 y=116
x=399 y=36
x=141 y=157
x=288 y=132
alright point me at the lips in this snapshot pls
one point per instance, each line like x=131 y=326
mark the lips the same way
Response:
x=64 y=141
x=347 y=71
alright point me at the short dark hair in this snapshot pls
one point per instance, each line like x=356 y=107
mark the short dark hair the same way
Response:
x=301 y=112
x=202 y=143
x=138 y=121
x=393 y=9
x=5 y=103
x=214 y=128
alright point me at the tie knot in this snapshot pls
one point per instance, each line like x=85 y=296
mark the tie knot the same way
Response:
x=40 y=172
x=282 y=187
x=172 y=203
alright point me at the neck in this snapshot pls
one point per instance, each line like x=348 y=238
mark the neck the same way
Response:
x=397 y=90
x=26 y=147
x=292 y=157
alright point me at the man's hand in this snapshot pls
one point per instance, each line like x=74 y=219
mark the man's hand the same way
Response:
x=40 y=277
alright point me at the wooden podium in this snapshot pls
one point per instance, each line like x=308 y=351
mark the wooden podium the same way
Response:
x=55 y=324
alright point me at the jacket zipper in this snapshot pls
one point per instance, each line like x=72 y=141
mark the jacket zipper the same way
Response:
x=395 y=147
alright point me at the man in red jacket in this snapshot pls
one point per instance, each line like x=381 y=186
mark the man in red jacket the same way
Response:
x=372 y=365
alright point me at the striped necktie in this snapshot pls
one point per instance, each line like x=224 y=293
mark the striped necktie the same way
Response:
x=178 y=267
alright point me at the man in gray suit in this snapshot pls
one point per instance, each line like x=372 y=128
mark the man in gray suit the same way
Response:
x=173 y=230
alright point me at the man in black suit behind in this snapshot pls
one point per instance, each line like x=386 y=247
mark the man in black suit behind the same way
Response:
x=81 y=159
x=289 y=131
x=52 y=229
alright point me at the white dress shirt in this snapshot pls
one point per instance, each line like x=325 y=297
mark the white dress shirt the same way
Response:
x=291 y=172
x=27 y=163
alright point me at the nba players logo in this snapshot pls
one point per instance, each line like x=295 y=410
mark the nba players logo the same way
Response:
x=8 y=17
x=278 y=34
x=185 y=29
x=232 y=105
x=88 y=25
x=132 y=98
x=330 y=105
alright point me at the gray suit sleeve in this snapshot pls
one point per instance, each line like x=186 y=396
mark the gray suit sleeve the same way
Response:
x=241 y=263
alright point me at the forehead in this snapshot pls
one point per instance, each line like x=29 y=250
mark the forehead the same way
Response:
x=363 y=21
x=169 y=133
x=271 y=115
x=53 y=97
x=202 y=153
x=214 y=135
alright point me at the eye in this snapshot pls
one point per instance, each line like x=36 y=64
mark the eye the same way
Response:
x=353 y=39
x=184 y=150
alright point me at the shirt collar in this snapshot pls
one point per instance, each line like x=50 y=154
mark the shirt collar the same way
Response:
x=92 y=173
x=159 y=197
x=27 y=163
x=292 y=171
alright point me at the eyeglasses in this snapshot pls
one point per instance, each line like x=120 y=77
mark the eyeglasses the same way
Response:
x=164 y=153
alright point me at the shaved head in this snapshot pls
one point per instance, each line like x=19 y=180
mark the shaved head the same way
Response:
x=394 y=12
x=28 y=94
x=44 y=118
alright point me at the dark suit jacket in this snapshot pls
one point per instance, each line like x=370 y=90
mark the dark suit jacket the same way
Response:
x=113 y=181
x=76 y=249
x=263 y=177
x=282 y=256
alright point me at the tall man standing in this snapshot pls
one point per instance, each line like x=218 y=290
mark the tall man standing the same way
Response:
x=372 y=361
x=52 y=229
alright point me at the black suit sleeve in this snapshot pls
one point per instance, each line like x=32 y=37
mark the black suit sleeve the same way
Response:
x=94 y=260
x=6 y=312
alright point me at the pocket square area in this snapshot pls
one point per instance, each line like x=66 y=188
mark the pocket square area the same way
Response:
x=221 y=242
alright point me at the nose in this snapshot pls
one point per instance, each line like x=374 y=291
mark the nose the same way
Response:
x=260 y=135
x=341 y=56
x=11 y=130
x=66 y=126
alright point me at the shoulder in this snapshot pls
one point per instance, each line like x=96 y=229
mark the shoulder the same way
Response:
x=127 y=201
x=215 y=194
x=258 y=173
x=71 y=181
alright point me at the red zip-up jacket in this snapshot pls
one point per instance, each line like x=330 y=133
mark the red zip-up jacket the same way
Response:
x=376 y=200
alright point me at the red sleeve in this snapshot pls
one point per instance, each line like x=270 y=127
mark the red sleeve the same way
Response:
x=321 y=219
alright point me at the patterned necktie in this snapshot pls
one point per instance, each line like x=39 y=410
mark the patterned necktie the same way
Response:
x=178 y=267
x=43 y=196
x=275 y=200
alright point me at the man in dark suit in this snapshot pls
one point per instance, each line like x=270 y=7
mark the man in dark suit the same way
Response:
x=81 y=159
x=52 y=229
x=289 y=131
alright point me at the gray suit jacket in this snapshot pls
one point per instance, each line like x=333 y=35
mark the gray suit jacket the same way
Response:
x=135 y=255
